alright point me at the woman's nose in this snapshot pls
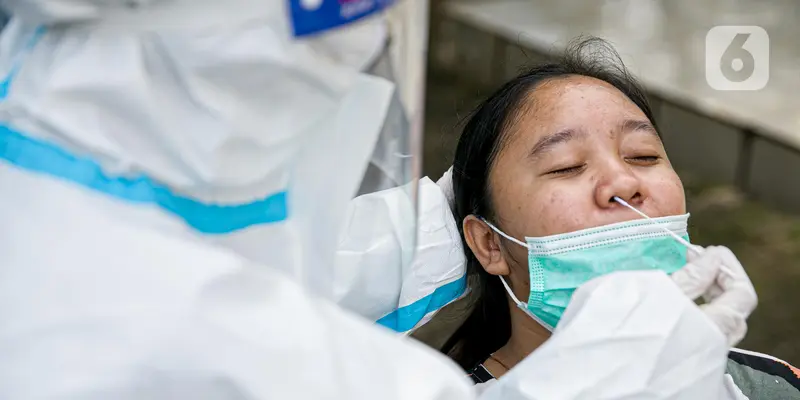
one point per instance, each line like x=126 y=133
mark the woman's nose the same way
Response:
x=618 y=180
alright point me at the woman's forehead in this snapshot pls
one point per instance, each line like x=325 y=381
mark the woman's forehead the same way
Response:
x=579 y=93
x=573 y=103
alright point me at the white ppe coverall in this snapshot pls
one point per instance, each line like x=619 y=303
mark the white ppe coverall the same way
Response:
x=174 y=178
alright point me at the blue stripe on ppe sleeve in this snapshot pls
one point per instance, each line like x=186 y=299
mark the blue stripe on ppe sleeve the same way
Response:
x=41 y=157
x=405 y=318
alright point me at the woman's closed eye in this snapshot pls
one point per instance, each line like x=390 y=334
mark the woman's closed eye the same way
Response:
x=566 y=170
x=644 y=159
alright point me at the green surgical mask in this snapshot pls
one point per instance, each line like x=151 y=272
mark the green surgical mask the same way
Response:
x=559 y=264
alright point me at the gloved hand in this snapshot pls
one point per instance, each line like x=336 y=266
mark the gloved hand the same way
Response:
x=446 y=184
x=625 y=335
x=716 y=274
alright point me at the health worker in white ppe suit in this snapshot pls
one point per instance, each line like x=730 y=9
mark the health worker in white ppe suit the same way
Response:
x=175 y=176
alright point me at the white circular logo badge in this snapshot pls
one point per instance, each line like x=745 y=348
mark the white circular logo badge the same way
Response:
x=310 y=5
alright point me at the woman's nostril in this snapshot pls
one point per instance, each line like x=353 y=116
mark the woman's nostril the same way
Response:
x=632 y=199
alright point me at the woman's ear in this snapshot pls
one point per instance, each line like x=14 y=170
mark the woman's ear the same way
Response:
x=485 y=244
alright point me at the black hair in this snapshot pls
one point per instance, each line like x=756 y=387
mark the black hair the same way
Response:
x=488 y=327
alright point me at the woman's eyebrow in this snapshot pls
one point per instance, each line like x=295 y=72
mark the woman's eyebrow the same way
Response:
x=632 y=125
x=548 y=142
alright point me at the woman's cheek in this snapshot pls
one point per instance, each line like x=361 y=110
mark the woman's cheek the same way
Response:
x=680 y=196
x=557 y=211
x=667 y=192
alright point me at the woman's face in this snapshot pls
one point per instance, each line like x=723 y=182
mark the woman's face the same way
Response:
x=576 y=144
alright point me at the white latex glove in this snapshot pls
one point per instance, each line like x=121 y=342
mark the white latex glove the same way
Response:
x=728 y=292
x=446 y=184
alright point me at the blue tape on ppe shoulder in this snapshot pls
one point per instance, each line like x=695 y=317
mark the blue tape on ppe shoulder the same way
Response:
x=41 y=157
x=405 y=318
x=314 y=16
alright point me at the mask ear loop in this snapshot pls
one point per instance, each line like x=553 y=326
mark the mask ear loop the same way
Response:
x=503 y=234
x=522 y=306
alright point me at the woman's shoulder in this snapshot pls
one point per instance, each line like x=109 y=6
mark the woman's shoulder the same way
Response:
x=760 y=376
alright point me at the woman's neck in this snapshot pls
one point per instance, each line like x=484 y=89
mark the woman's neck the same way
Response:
x=526 y=336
